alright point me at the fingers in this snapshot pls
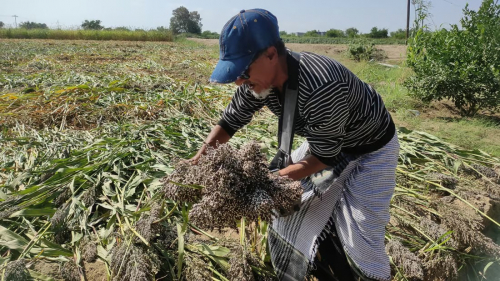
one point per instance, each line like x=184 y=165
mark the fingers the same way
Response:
x=192 y=161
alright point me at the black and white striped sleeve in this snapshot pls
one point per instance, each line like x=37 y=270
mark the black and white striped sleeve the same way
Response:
x=326 y=113
x=240 y=110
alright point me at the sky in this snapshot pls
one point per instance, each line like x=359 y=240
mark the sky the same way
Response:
x=293 y=15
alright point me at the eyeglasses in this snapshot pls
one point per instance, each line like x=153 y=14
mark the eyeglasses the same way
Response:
x=245 y=75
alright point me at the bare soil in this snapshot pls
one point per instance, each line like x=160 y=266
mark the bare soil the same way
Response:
x=95 y=271
x=394 y=53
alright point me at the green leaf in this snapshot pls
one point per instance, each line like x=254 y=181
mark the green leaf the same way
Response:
x=195 y=186
x=12 y=240
x=213 y=250
x=34 y=212
x=39 y=276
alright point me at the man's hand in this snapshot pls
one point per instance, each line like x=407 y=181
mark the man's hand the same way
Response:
x=217 y=136
x=304 y=168
x=192 y=161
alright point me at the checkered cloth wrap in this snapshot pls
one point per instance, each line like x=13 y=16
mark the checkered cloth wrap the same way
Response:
x=354 y=197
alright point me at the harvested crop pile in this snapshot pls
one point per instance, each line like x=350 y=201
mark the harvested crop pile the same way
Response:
x=16 y=270
x=228 y=184
x=445 y=212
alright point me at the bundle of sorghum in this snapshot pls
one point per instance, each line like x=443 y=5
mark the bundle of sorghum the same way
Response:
x=133 y=262
x=131 y=259
x=228 y=184
x=88 y=249
x=70 y=271
x=16 y=271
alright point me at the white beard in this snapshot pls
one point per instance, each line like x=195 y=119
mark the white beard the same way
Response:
x=262 y=95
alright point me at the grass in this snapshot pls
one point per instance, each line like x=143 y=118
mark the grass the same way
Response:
x=469 y=133
x=88 y=128
x=61 y=34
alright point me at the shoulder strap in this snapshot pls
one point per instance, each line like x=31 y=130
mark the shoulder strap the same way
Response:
x=288 y=112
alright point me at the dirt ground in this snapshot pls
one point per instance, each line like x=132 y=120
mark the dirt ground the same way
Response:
x=394 y=52
x=95 y=271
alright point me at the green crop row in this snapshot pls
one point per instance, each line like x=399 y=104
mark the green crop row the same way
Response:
x=326 y=40
x=121 y=35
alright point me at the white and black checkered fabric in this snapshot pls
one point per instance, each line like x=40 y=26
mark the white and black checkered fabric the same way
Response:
x=356 y=203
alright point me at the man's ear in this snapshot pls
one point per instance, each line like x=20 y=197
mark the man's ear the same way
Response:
x=272 y=53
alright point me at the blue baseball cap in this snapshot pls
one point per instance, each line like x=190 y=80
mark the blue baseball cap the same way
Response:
x=243 y=36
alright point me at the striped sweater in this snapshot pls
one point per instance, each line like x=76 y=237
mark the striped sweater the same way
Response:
x=336 y=110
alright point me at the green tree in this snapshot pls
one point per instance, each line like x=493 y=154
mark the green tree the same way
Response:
x=122 y=28
x=461 y=64
x=311 y=33
x=399 y=34
x=33 y=25
x=378 y=33
x=162 y=29
x=335 y=33
x=183 y=21
x=2 y=24
x=92 y=25
x=352 y=32
x=207 y=34
x=283 y=33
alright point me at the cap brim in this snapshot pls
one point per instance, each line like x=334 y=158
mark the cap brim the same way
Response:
x=227 y=71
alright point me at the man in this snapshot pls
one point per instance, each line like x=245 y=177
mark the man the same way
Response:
x=338 y=233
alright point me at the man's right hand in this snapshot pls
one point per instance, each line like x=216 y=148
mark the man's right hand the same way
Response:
x=217 y=136
x=192 y=161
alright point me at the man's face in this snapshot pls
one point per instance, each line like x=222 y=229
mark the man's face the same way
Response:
x=260 y=75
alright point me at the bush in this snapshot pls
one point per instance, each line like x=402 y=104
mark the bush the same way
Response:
x=352 y=32
x=335 y=33
x=207 y=34
x=399 y=34
x=360 y=51
x=364 y=50
x=312 y=33
x=460 y=64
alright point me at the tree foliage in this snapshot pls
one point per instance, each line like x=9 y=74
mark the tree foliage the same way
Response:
x=162 y=29
x=183 y=21
x=352 y=32
x=207 y=34
x=335 y=33
x=2 y=24
x=461 y=64
x=33 y=25
x=92 y=25
x=122 y=28
x=399 y=34
x=378 y=33
x=312 y=33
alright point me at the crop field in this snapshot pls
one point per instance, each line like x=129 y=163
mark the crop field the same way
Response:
x=90 y=129
x=79 y=34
